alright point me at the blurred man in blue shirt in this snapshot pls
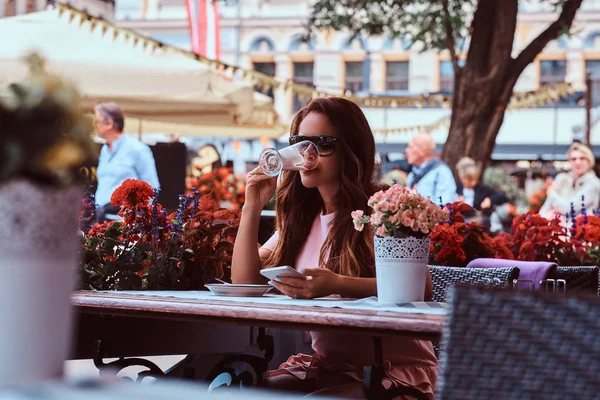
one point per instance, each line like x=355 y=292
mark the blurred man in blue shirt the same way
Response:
x=430 y=176
x=122 y=157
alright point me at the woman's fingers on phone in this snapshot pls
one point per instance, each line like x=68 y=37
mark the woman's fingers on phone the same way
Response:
x=290 y=281
x=291 y=291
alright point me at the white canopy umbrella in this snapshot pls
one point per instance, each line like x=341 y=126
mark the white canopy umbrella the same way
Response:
x=159 y=85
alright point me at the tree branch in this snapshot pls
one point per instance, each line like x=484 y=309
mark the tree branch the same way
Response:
x=450 y=39
x=536 y=46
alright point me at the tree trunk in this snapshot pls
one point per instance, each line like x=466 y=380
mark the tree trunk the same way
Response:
x=484 y=86
x=477 y=116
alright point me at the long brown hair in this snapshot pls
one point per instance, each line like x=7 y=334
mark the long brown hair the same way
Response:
x=350 y=252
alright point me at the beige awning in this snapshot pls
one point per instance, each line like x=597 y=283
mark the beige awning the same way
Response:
x=136 y=126
x=159 y=85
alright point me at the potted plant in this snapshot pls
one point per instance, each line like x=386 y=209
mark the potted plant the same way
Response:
x=150 y=249
x=222 y=185
x=401 y=220
x=456 y=242
x=44 y=141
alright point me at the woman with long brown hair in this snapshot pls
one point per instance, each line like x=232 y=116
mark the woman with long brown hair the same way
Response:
x=315 y=235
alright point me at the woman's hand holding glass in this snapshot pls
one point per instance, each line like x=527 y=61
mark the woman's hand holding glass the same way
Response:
x=259 y=188
x=319 y=282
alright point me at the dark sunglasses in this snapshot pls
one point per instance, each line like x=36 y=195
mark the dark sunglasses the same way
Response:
x=325 y=144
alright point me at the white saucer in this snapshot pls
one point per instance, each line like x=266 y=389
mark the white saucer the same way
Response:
x=238 y=290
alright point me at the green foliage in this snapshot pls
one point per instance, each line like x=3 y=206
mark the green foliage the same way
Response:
x=421 y=22
x=155 y=251
x=44 y=135
x=498 y=179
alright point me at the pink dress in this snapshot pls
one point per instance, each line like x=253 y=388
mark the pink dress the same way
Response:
x=339 y=357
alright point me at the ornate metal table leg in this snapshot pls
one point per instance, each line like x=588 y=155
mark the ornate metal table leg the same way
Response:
x=223 y=374
x=115 y=367
x=152 y=370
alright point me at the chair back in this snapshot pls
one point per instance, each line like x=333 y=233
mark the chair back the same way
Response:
x=443 y=278
x=582 y=279
x=520 y=345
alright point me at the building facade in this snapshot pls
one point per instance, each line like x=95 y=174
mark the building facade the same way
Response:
x=266 y=35
x=10 y=8
x=98 y=8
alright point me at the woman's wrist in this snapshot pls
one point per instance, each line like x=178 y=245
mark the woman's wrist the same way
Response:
x=354 y=287
x=252 y=209
x=337 y=285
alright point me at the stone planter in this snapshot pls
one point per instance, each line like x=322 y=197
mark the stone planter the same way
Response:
x=38 y=257
x=401 y=268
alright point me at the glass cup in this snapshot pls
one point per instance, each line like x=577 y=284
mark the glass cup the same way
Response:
x=302 y=156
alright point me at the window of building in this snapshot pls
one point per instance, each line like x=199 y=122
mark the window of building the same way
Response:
x=552 y=71
x=446 y=76
x=354 y=78
x=267 y=68
x=262 y=44
x=355 y=44
x=303 y=74
x=396 y=75
x=298 y=43
x=593 y=68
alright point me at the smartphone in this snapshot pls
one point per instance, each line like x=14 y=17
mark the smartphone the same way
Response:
x=286 y=270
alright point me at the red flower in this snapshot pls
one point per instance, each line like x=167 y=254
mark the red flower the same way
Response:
x=458 y=208
x=148 y=250
x=590 y=231
x=502 y=245
x=221 y=186
x=458 y=243
x=98 y=229
x=132 y=193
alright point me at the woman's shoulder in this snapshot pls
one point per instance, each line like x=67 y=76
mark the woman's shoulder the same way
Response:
x=592 y=179
x=563 y=176
x=592 y=175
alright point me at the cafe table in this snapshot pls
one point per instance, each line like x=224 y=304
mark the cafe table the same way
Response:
x=128 y=324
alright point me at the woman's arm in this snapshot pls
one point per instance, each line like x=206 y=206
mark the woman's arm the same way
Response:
x=324 y=282
x=356 y=288
x=247 y=258
x=246 y=262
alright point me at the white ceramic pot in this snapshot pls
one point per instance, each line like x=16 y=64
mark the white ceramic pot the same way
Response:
x=38 y=257
x=401 y=269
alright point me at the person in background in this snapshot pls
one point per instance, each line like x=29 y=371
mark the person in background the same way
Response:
x=315 y=234
x=579 y=186
x=471 y=191
x=429 y=176
x=122 y=157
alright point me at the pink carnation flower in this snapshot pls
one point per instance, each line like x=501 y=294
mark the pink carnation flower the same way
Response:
x=357 y=214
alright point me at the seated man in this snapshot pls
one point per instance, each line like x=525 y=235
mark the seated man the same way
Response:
x=430 y=176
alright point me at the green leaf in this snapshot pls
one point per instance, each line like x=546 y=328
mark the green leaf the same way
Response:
x=417 y=21
x=144 y=246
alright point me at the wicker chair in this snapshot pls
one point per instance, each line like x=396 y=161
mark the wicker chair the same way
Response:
x=580 y=279
x=444 y=278
x=520 y=345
